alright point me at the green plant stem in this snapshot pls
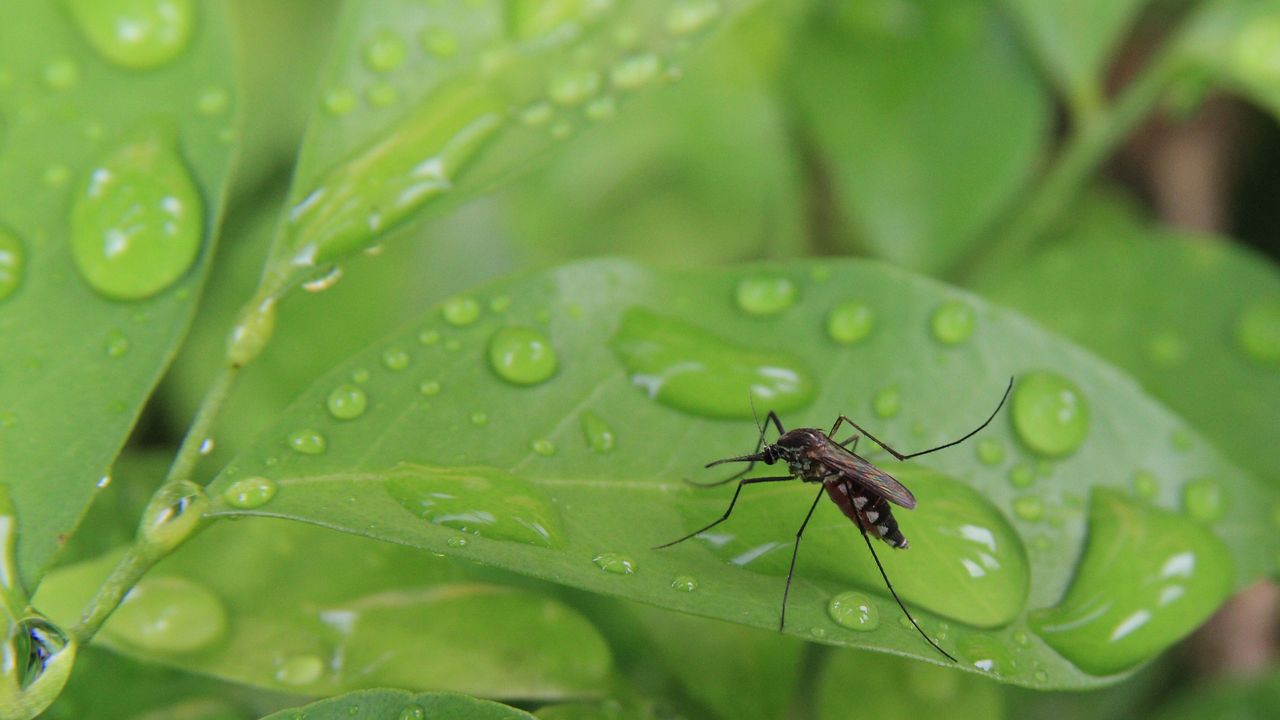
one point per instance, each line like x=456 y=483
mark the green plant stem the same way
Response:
x=123 y=577
x=184 y=463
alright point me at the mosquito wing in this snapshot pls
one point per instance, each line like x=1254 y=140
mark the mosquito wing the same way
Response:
x=863 y=473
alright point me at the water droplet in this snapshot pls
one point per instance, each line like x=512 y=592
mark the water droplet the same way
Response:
x=61 y=74
x=307 y=442
x=172 y=515
x=380 y=95
x=482 y=501
x=763 y=296
x=206 y=446
x=538 y=113
x=213 y=101
x=1145 y=484
x=137 y=223
x=251 y=333
x=429 y=387
x=325 y=281
x=571 y=87
x=429 y=337
x=1021 y=638
x=135 y=34
x=521 y=355
x=1258 y=331
x=690 y=369
x=599 y=435
x=854 y=610
x=300 y=670
x=1022 y=475
x=103 y=481
x=1050 y=413
x=395 y=359
x=116 y=345
x=1041 y=676
x=440 y=43
x=41 y=656
x=412 y=162
x=12 y=259
x=460 y=311
x=887 y=402
x=635 y=71
x=479 y=418
x=1202 y=499
x=361 y=375
x=1124 y=607
x=251 y=492
x=347 y=402
x=1028 y=507
x=457 y=541
x=340 y=101
x=990 y=451
x=988 y=655
x=850 y=322
x=543 y=447
x=689 y=16
x=615 y=563
x=953 y=322
x=413 y=712
x=385 y=52
x=168 y=615
x=601 y=108
x=685 y=583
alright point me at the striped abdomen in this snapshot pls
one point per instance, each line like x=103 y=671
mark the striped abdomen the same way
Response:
x=872 y=508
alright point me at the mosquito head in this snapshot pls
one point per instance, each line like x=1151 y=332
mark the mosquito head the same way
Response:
x=769 y=454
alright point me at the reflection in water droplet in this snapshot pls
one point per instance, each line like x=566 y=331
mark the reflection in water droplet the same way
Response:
x=685 y=583
x=850 y=322
x=168 y=615
x=456 y=541
x=690 y=369
x=887 y=402
x=599 y=435
x=616 y=563
x=1124 y=607
x=763 y=296
x=172 y=515
x=300 y=670
x=483 y=501
x=385 y=52
x=248 y=493
x=137 y=222
x=521 y=355
x=988 y=655
x=11 y=263
x=1258 y=331
x=1202 y=498
x=1050 y=413
x=347 y=402
x=953 y=322
x=854 y=610
x=135 y=34
x=307 y=441
x=460 y=311
x=325 y=281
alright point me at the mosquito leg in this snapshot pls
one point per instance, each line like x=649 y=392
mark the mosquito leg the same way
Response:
x=851 y=439
x=786 y=591
x=901 y=456
x=732 y=502
x=771 y=417
x=894 y=593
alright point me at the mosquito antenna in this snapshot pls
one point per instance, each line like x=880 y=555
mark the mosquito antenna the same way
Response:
x=751 y=399
x=889 y=585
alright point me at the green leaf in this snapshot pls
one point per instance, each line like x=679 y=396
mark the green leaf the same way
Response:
x=1232 y=43
x=856 y=685
x=440 y=452
x=401 y=705
x=929 y=118
x=88 y=324
x=371 y=614
x=1075 y=41
x=1241 y=699
x=1188 y=316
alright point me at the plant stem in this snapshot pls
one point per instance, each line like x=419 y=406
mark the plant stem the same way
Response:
x=184 y=463
x=123 y=577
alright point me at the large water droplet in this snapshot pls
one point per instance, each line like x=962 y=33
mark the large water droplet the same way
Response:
x=137 y=223
x=415 y=160
x=850 y=322
x=172 y=515
x=690 y=369
x=135 y=34
x=307 y=441
x=1147 y=578
x=988 y=655
x=522 y=355
x=1050 y=413
x=300 y=670
x=599 y=435
x=41 y=656
x=765 y=295
x=168 y=615
x=251 y=492
x=11 y=263
x=684 y=583
x=854 y=610
x=1258 y=331
x=1203 y=499
x=385 y=52
x=689 y=16
x=484 y=501
x=615 y=563
x=347 y=402
x=251 y=333
x=953 y=322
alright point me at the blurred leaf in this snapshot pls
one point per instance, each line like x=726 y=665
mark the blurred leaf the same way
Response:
x=407 y=468
x=1129 y=698
x=401 y=705
x=370 y=614
x=1246 y=699
x=929 y=117
x=1234 y=43
x=858 y=685
x=112 y=518
x=78 y=364
x=1075 y=41
x=1176 y=311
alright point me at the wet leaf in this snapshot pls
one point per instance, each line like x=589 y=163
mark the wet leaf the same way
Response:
x=401 y=705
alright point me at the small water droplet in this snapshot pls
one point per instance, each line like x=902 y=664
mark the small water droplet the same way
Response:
x=988 y=655
x=479 y=418
x=206 y=446
x=361 y=375
x=601 y=108
x=307 y=442
x=685 y=583
x=385 y=52
x=61 y=74
x=413 y=712
x=543 y=447
x=953 y=322
x=500 y=303
x=325 y=281
x=599 y=435
x=854 y=610
x=1202 y=499
x=300 y=670
x=1028 y=507
x=135 y=34
x=763 y=296
x=1258 y=331
x=340 y=101
x=635 y=71
x=887 y=402
x=521 y=355
x=1181 y=439
x=479 y=500
x=1166 y=349
x=685 y=17
x=116 y=345
x=381 y=95
x=429 y=387
x=250 y=492
x=396 y=359
x=1041 y=676
x=456 y=541
x=615 y=563
x=138 y=221
x=1050 y=413
x=571 y=87
x=1022 y=475
x=1021 y=638
x=990 y=451
x=1146 y=484
x=439 y=42
x=429 y=337
x=12 y=261
x=347 y=402
x=538 y=113
x=850 y=322
x=104 y=481
x=168 y=615
x=172 y=515
x=213 y=101
x=460 y=311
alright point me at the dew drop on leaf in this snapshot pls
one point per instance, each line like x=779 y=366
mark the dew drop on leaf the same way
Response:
x=763 y=296
x=116 y=345
x=251 y=492
x=395 y=359
x=990 y=451
x=41 y=655
x=685 y=17
x=325 y=281
x=1050 y=414
x=684 y=583
x=599 y=435
x=850 y=322
x=460 y=311
x=616 y=563
x=1145 y=484
x=172 y=515
x=413 y=712
x=635 y=71
x=61 y=74
x=887 y=402
x=168 y=615
x=854 y=610
x=385 y=52
x=543 y=447
x=601 y=108
x=137 y=222
x=213 y=101
x=347 y=402
x=538 y=113
x=988 y=655
x=953 y=322
x=1028 y=507
x=1166 y=349
x=521 y=355
x=1258 y=331
x=135 y=34
x=456 y=541
x=479 y=418
x=1022 y=475
x=480 y=500
x=307 y=441
x=12 y=260
x=572 y=87
x=339 y=101
x=429 y=387
x=381 y=95
x=1202 y=499
x=300 y=669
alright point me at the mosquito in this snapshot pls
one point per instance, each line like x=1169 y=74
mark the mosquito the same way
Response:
x=861 y=490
